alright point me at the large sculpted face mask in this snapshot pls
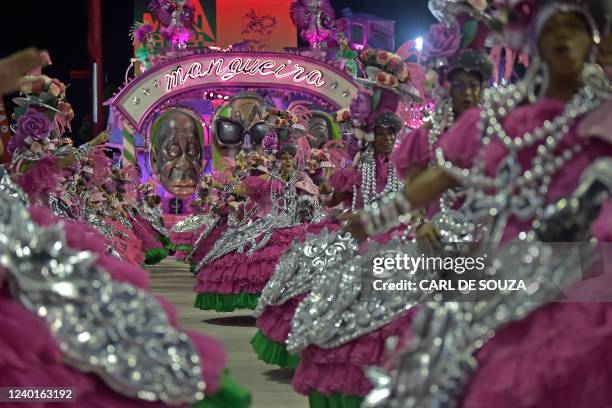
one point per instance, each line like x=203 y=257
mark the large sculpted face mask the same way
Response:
x=245 y=129
x=176 y=154
x=319 y=128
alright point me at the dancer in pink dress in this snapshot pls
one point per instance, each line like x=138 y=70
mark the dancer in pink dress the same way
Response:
x=236 y=269
x=336 y=342
x=292 y=278
x=187 y=232
x=73 y=317
x=520 y=348
x=88 y=351
x=48 y=167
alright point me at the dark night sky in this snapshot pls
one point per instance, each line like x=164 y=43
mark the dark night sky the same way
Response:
x=60 y=26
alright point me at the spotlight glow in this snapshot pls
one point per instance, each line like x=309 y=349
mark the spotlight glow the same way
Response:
x=419 y=43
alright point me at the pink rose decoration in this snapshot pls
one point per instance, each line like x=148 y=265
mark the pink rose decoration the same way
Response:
x=38 y=86
x=33 y=126
x=382 y=58
x=442 y=41
x=54 y=90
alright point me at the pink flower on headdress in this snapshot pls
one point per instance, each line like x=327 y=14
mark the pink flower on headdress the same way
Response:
x=38 y=86
x=442 y=41
x=66 y=109
x=382 y=58
x=33 y=126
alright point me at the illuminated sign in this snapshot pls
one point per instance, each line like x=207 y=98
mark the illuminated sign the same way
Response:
x=239 y=66
x=278 y=71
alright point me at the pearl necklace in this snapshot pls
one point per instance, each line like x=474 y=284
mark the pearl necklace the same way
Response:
x=443 y=115
x=367 y=167
x=522 y=191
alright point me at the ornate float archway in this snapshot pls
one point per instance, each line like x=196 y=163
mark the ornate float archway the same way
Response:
x=140 y=99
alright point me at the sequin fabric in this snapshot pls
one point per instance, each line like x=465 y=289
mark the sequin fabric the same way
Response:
x=114 y=330
x=343 y=305
x=250 y=235
x=297 y=267
x=440 y=362
x=193 y=222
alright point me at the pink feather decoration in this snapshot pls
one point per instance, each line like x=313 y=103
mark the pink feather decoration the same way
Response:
x=337 y=153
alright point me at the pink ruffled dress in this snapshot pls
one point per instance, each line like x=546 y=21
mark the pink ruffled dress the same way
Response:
x=336 y=375
x=275 y=321
x=152 y=247
x=126 y=243
x=206 y=244
x=235 y=280
x=561 y=354
x=145 y=233
x=41 y=179
x=30 y=356
x=184 y=241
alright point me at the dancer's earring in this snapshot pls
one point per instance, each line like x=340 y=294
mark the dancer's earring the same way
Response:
x=537 y=79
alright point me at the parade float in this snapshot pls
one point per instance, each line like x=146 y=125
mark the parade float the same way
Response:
x=184 y=63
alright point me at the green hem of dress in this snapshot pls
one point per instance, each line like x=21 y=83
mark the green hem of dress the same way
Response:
x=226 y=303
x=273 y=352
x=229 y=394
x=155 y=255
x=318 y=400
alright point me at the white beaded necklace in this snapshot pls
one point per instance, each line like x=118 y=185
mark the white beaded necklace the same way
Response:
x=367 y=167
x=443 y=118
x=517 y=191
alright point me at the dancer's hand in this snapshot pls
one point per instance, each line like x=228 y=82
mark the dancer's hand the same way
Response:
x=427 y=237
x=100 y=139
x=355 y=227
x=14 y=67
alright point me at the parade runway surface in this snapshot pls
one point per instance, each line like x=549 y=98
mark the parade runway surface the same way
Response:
x=269 y=386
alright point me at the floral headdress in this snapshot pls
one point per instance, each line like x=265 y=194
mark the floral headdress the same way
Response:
x=386 y=70
x=458 y=40
x=42 y=114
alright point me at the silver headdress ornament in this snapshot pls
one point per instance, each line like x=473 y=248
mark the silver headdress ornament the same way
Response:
x=114 y=330
x=446 y=11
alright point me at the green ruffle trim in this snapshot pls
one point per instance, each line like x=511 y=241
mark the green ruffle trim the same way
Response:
x=183 y=248
x=155 y=255
x=164 y=240
x=229 y=394
x=226 y=303
x=193 y=269
x=272 y=352
x=318 y=400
